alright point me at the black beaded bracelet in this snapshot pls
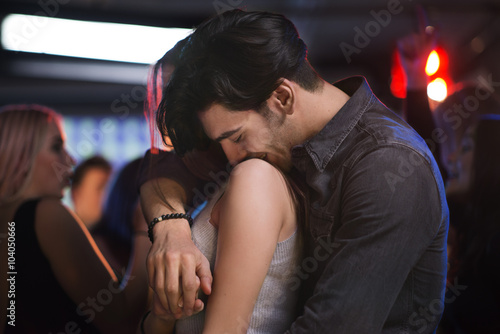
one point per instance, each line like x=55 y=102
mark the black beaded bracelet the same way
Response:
x=165 y=217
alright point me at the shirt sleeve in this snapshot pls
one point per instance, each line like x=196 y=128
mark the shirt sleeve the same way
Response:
x=193 y=171
x=392 y=215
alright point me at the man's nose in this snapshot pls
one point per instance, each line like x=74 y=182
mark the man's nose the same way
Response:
x=234 y=152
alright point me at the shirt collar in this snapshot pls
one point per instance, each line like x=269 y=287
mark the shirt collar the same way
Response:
x=325 y=143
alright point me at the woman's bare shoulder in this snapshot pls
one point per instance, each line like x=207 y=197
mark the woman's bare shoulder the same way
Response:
x=256 y=183
x=256 y=170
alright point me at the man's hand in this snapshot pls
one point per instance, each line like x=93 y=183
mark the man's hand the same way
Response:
x=177 y=269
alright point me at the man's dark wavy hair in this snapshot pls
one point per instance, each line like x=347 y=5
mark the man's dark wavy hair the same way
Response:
x=236 y=60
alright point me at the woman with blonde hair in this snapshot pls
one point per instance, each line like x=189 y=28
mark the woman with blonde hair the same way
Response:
x=57 y=279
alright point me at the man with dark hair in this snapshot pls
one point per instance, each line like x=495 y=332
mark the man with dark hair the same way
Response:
x=375 y=245
x=259 y=54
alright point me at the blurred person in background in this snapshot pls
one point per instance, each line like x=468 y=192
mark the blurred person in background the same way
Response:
x=413 y=50
x=63 y=283
x=468 y=122
x=115 y=232
x=88 y=189
x=471 y=157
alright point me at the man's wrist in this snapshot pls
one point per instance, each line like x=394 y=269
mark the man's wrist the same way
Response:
x=170 y=216
x=176 y=226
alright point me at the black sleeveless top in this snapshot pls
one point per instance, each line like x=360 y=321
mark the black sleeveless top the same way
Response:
x=42 y=306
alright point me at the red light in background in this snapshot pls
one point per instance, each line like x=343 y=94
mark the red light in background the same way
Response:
x=437 y=90
x=398 y=77
x=432 y=64
x=436 y=70
x=437 y=63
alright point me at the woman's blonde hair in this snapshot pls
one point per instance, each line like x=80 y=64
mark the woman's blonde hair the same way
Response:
x=22 y=132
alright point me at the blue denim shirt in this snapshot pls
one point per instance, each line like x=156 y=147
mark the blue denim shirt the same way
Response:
x=378 y=223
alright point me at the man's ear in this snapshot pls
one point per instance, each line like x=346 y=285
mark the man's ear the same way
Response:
x=283 y=97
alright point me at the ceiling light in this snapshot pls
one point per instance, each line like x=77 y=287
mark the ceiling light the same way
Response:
x=87 y=39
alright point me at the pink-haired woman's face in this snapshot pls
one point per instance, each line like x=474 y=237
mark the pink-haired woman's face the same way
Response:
x=53 y=165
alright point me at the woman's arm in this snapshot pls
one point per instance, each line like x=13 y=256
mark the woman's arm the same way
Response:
x=256 y=212
x=86 y=276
